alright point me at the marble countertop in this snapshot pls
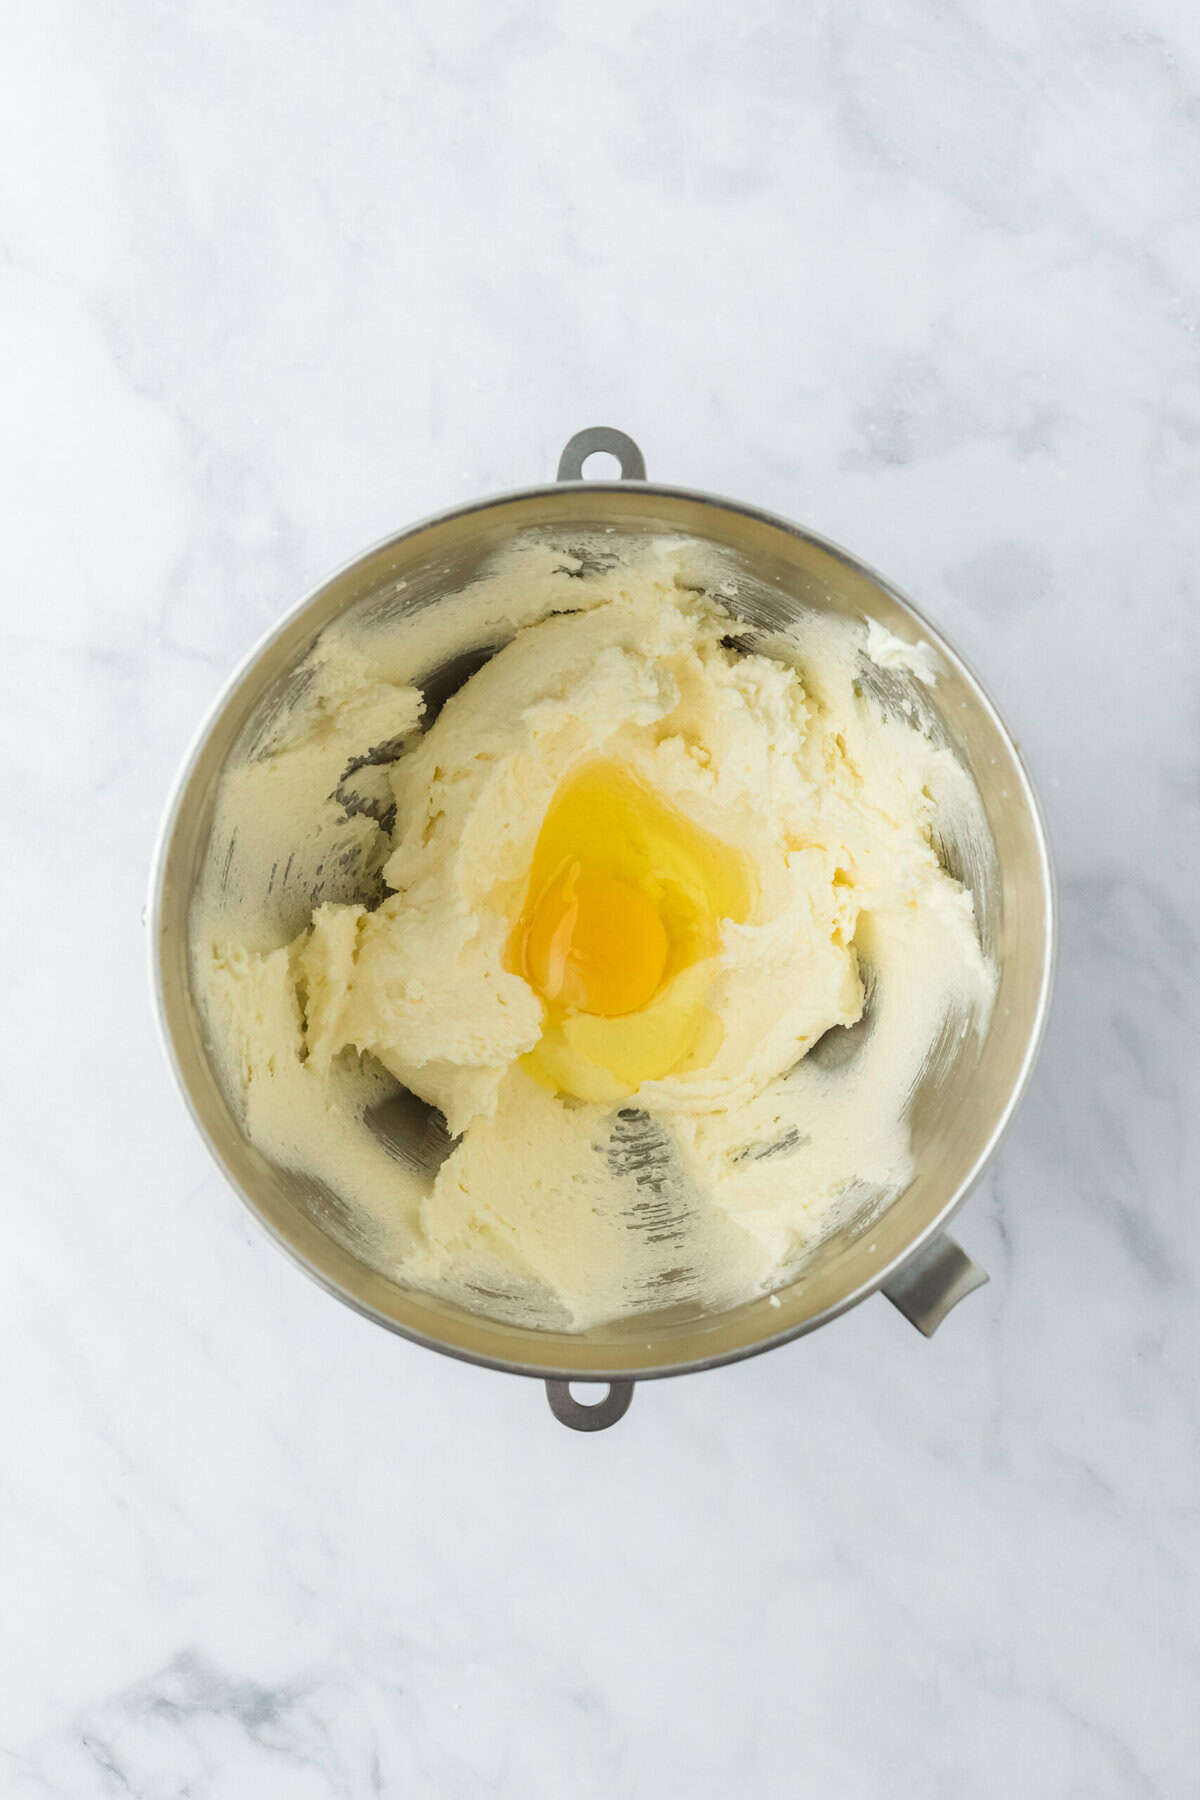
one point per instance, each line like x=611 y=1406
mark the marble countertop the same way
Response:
x=276 y=281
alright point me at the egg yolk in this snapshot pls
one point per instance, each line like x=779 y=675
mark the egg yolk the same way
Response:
x=618 y=930
x=596 y=944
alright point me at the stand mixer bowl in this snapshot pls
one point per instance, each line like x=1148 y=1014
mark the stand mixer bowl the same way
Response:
x=966 y=1096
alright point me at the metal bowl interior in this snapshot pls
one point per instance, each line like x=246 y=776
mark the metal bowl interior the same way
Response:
x=959 y=1111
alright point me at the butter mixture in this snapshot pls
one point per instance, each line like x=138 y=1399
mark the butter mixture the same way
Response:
x=654 y=922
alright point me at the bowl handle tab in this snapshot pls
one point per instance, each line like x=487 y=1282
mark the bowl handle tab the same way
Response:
x=606 y=438
x=591 y=1415
x=933 y=1282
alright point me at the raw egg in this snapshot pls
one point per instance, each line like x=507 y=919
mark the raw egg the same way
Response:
x=617 y=933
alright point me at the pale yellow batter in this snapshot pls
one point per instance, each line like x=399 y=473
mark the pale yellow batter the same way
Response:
x=755 y=831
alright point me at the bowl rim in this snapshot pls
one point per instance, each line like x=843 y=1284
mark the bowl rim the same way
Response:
x=556 y=492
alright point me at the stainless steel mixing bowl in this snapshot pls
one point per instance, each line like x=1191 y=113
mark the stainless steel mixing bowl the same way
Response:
x=959 y=1111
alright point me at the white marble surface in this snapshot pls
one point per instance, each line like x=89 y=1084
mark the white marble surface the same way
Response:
x=276 y=280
